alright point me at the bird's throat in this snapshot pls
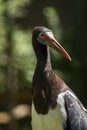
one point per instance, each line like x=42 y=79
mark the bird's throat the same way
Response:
x=42 y=54
x=42 y=93
x=43 y=63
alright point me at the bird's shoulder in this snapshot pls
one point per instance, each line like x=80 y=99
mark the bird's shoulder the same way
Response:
x=73 y=110
x=76 y=112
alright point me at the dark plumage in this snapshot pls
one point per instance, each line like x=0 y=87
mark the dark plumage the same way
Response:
x=54 y=105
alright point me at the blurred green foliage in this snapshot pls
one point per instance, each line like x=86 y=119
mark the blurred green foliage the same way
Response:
x=20 y=44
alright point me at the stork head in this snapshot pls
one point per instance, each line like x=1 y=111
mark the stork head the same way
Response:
x=44 y=37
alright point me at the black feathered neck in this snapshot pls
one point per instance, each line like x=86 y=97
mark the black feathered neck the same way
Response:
x=41 y=51
x=42 y=68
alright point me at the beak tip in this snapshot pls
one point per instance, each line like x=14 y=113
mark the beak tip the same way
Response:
x=69 y=58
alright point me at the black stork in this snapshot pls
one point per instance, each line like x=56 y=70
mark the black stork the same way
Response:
x=54 y=105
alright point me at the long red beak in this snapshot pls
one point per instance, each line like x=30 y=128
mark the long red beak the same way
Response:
x=51 y=41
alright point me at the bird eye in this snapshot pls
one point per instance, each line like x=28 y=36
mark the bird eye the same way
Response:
x=42 y=35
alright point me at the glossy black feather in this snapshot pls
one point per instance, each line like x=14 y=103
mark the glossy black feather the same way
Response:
x=76 y=113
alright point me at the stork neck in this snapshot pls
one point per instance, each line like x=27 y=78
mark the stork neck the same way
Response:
x=43 y=65
x=43 y=62
x=41 y=88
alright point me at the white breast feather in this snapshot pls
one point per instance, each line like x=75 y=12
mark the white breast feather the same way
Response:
x=53 y=120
